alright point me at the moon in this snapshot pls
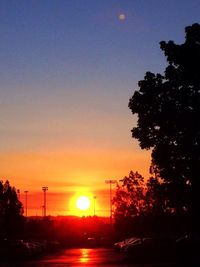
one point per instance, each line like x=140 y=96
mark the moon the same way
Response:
x=83 y=203
x=122 y=17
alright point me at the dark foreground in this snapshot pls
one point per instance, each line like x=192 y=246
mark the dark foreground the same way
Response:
x=82 y=257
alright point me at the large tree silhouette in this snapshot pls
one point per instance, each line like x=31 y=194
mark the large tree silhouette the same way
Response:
x=168 y=109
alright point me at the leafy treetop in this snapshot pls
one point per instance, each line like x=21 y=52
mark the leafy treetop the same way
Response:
x=168 y=108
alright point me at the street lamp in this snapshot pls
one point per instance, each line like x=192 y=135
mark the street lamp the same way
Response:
x=110 y=182
x=26 y=200
x=44 y=189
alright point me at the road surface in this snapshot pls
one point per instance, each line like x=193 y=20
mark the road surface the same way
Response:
x=79 y=258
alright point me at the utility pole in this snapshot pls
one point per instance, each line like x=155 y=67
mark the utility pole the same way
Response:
x=26 y=200
x=44 y=189
x=110 y=182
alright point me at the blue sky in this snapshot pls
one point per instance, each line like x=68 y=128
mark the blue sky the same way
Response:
x=67 y=71
x=58 y=41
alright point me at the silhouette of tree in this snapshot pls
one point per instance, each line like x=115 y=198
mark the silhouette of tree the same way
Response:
x=168 y=109
x=11 y=210
x=129 y=200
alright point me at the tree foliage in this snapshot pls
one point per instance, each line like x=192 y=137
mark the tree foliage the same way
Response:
x=11 y=209
x=144 y=207
x=129 y=200
x=168 y=109
x=136 y=197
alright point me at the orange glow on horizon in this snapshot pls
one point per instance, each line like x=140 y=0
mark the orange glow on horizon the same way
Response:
x=69 y=175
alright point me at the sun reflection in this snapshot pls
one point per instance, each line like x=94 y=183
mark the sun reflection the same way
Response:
x=84 y=257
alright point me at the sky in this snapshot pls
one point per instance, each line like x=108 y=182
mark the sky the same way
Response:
x=67 y=71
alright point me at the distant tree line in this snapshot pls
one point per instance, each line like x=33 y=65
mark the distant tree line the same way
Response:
x=69 y=231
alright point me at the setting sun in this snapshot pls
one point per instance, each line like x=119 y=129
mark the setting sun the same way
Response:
x=83 y=203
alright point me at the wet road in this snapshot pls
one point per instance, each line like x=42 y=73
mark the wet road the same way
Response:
x=78 y=258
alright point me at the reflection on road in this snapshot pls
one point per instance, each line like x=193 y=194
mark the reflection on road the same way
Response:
x=90 y=257
x=81 y=257
x=84 y=255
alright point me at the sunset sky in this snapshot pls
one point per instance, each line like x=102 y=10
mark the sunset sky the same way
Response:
x=67 y=71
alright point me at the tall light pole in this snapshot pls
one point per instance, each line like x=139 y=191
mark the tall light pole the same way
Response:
x=110 y=182
x=26 y=200
x=44 y=189
x=95 y=205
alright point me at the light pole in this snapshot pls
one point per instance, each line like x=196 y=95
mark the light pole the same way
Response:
x=110 y=182
x=44 y=189
x=26 y=200
x=95 y=205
